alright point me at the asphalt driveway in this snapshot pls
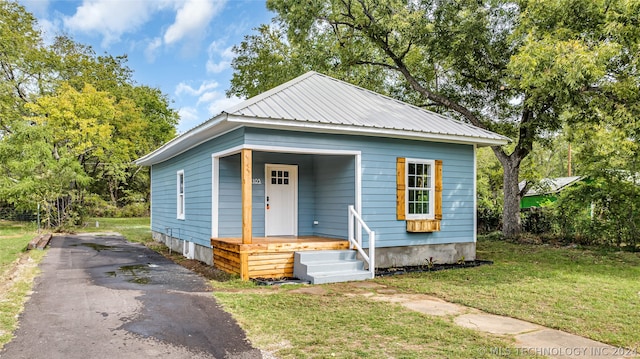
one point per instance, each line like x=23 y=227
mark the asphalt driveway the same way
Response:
x=100 y=296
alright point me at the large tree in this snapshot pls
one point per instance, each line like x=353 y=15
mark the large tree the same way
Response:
x=71 y=122
x=520 y=68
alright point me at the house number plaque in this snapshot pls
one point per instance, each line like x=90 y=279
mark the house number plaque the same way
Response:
x=257 y=181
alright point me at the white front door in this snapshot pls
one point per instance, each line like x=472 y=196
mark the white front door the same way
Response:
x=281 y=200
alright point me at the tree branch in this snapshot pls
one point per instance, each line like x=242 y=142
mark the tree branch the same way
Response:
x=443 y=100
x=472 y=77
x=525 y=138
x=406 y=51
x=382 y=64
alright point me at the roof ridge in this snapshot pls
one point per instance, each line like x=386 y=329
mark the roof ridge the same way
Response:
x=265 y=95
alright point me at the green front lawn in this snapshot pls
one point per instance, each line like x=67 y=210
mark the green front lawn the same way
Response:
x=337 y=325
x=589 y=292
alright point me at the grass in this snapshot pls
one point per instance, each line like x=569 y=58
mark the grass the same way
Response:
x=14 y=237
x=590 y=292
x=337 y=325
x=17 y=270
x=133 y=229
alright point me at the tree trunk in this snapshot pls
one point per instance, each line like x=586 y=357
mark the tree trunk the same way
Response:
x=511 y=210
x=113 y=192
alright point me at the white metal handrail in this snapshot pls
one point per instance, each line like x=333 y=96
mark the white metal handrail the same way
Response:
x=355 y=238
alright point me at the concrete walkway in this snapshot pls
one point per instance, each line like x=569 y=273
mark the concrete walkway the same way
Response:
x=529 y=338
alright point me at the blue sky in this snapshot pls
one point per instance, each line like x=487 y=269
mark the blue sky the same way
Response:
x=182 y=47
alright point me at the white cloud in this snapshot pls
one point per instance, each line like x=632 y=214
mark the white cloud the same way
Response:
x=222 y=104
x=110 y=18
x=213 y=101
x=37 y=7
x=205 y=86
x=225 y=57
x=209 y=96
x=191 y=18
x=152 y=49
x=189 y=118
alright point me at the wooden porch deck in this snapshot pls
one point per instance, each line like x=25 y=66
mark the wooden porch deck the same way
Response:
x=266 y=257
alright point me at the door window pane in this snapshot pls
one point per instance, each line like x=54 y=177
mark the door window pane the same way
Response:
x=280 y=177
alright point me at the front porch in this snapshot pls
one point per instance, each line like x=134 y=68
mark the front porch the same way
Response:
x=273 y=202
x=266 y=257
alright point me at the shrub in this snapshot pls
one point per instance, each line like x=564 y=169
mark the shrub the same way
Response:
x=489 y=219
x=537 y=220
x=139 y=209
x=602 y=211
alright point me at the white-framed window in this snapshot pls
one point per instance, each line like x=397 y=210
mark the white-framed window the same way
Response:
x=420 y=190
x=180 y=194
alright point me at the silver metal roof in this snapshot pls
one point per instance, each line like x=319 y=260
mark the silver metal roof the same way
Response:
x=549 y=185
x=318 y=98
x=318 y=103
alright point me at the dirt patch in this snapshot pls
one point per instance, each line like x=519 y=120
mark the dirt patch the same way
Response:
x=15 y=273
x=314 y=290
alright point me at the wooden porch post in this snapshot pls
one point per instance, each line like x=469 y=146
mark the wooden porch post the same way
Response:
x=247 y=225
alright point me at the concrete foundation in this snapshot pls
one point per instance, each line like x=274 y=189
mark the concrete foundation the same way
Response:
x=200 y=253
x=386 y=257
x=389 y=257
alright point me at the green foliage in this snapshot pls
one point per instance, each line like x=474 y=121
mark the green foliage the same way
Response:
x=489 y=191
x=537 y=221
x=269 y=60
x=605 y=209
x=601 y=211
x=71 y=124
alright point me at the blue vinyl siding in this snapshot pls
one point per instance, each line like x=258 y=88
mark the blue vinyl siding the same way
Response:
x=229 y=198
x=196 y=163
x=230 y=208
x=378 y=165
x=326 y=186
x=335 y=191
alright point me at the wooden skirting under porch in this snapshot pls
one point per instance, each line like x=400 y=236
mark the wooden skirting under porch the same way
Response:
x=266 y=257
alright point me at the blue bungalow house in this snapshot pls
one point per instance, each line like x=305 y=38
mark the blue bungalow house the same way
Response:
x=321 y=180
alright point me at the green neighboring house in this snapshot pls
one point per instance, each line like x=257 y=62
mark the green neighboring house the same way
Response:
x=545 y=191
